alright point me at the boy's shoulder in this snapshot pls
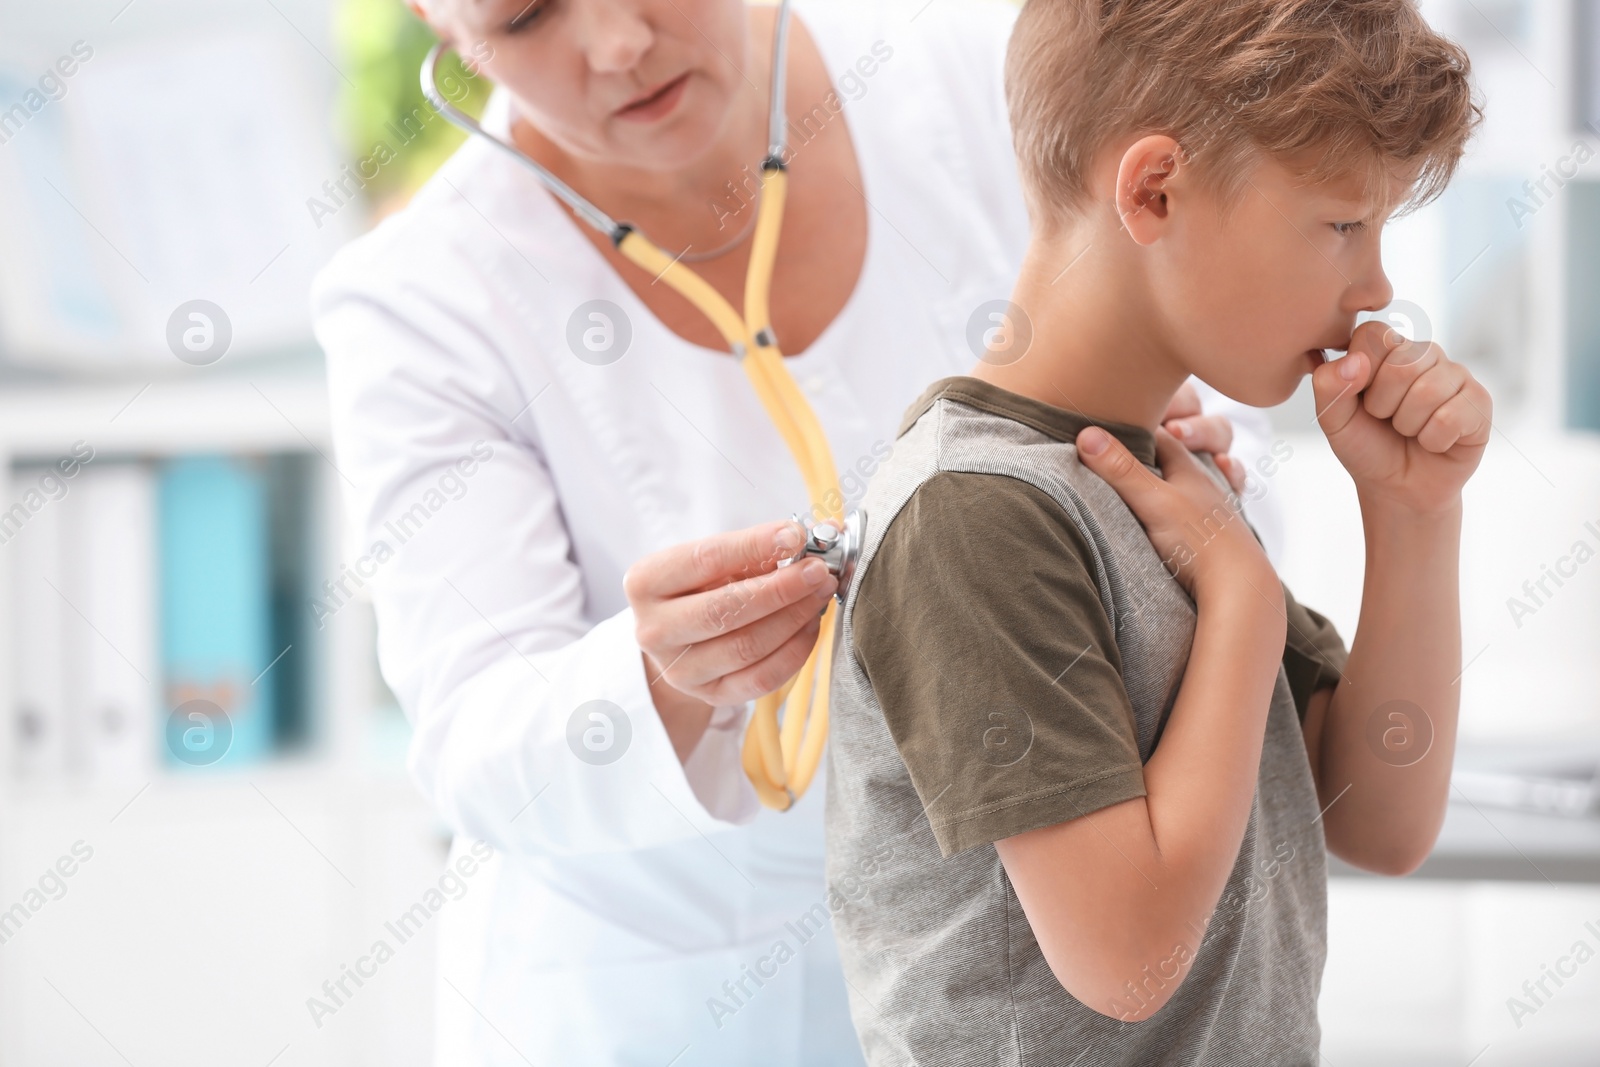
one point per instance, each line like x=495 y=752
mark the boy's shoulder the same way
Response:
x=982 y=398
x=984 y=485
x=980 y=448
x=980 y=475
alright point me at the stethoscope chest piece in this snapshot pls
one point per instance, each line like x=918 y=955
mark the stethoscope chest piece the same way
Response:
x=838 y=548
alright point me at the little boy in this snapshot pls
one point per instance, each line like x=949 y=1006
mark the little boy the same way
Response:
x=1090 y=746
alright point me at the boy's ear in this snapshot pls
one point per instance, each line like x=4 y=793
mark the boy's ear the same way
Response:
x=1144 y=180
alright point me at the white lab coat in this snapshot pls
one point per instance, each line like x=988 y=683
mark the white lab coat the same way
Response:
x=634 y=910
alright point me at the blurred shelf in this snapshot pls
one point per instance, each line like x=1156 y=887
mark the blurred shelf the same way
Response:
x=251 y=407
x=263 y=412
x=1480 y=842
x=377 y=760
x=303 y=773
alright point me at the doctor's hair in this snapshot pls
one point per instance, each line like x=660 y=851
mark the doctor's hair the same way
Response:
x=1329 y=88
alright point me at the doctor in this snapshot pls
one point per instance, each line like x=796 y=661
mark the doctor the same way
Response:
x=553 y=461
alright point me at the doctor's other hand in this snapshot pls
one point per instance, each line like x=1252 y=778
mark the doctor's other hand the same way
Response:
x=719 y=623
x=1203 y=433
x=1185 y=499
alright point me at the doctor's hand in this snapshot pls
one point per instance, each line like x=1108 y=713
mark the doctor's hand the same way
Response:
x=1200 y=432
x=719 y=623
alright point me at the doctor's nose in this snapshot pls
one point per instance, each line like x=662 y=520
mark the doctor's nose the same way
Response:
x=614 y=34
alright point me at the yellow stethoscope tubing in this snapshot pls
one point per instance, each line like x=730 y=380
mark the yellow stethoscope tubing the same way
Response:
x=779 y=763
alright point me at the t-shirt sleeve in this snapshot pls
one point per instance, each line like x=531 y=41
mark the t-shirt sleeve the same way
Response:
x=980 y=626
x=1314 y=654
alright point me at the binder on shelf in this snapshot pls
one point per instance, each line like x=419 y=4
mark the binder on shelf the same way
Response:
x=39 y=716
x=113 y=672
x=291 y=488
x=215 y=608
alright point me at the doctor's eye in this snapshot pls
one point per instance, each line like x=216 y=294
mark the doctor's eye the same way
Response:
x=527 y=14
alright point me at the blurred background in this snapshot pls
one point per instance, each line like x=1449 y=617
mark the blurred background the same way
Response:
x=204 y=813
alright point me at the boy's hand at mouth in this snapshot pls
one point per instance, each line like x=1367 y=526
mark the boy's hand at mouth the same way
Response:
x=1410 y=426
x=1407 y=423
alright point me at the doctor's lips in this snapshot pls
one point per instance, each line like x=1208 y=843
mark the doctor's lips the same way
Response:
x=658 y=102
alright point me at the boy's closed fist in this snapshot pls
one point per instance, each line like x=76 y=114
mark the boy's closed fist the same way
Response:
x=1407 y=423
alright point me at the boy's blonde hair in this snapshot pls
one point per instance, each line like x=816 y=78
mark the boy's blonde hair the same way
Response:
x=1327 y=87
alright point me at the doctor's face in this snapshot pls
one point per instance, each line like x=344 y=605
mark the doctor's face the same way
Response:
x=642 y=83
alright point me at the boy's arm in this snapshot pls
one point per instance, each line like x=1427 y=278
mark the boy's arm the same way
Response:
x=1133 y=886
x=1382 y=753
x=1410 y=427
x=980 y=626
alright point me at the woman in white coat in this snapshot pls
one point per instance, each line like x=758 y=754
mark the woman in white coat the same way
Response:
x=549 y=459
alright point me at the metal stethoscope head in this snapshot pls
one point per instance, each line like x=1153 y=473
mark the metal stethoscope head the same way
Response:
x=838 y=547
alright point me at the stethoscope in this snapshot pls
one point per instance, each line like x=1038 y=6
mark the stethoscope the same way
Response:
x=779 y=760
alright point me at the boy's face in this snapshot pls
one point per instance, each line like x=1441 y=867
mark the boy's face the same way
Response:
x=1254 y=291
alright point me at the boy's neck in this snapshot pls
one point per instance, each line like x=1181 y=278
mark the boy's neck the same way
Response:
x=1095 y=349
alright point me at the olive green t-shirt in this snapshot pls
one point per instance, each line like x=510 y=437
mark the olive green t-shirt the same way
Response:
x=1014 y=592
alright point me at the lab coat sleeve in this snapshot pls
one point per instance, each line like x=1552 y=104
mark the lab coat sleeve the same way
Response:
x=534 y=727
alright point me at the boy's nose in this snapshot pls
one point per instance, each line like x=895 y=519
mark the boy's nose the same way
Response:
x=1372 y=291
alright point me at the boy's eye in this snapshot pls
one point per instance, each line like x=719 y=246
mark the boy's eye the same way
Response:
x=1345 y=229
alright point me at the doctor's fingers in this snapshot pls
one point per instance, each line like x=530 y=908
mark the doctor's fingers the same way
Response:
x=754 y=659
x=1188 y=422
x=1202 y=433
x=1185 y=402
x=770 y=673
x=691 y=618
x=1232 y=470
x=708 y=562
